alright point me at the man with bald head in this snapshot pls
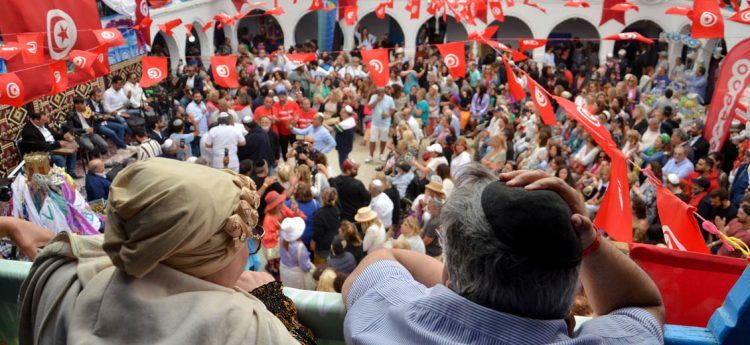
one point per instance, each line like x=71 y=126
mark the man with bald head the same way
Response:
x=97 y=184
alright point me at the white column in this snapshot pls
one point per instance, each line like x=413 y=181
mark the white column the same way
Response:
x=605 y=47
x=348 y=32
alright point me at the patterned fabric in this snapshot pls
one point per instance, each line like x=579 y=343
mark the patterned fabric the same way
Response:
x=387 y=306
x=283 y=308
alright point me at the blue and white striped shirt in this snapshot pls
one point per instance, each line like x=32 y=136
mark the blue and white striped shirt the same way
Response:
x=387 y=306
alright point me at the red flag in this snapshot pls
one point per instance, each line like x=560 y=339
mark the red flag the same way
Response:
x=276 y=11
x=510 y=3
x=189 y=30
x=609 y=14
x=480 y=11
x=350 y=15
x=207 y=26
x=513 y=84
x=496 y=8
x=159 y=3
x=143 y=22
x=679 y=10
x=707 y=20
x=434 y=7
x=531 y=44
x=615 y=214
x=742 y=16
x=223 y=19
x=454 y=57
x=629 y=36
x=624 y=6
x=590 y=122
x=168 y=26
x=154 y=70
x=301 y=58
x=577 y=3
x=542 y=102
x=380 y=10
x=110 y=37
x=9 y=50
x=237 y=4
x=389 y=3
x=84 y=61
x=729 y=89
x=224 y=71
x=483 y=35
x=101 y=65
x=413 y=7
x=529 y=3
x=316 y=5
x=681 y=231
x=32 y=47
x=377 y=63
x=11 y=90
x=59 y=71
x=344 y=6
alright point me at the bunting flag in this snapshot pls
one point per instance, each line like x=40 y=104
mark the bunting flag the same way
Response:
x=301 y=58
x=681 y=231
x=189 y=30
x=238 y=4
x=484 y=35
x=9 y=51
x=101 y=65
x=496 y=8
x=169 y=26
x=624 y=6
x=609 y=14
x=380 y=10
x=143 y=23
x=237 y=17
x=732 y=84
x=32 y=47
x=454 y=57
x=153 y=70
x=350 y=15
x=110 y=37
x=413 y=6
x=11 y=90
x=615 y=214
x=707 y=20
x=592 y=125
x=59 y=72
x=513 y=84
x=276 y=11
x=316 y=5
x=224 y=70
x=159 y=3
x=541 y=102
x=84 y=61
x=629 y=36
x=223 y=19
x=344 y=7
x=510 y=3
x=377 y=63
x=389 y=3
x=577 y=3
x=679 y=10
x=207 y=26
x=529 y=3
x=531 y=44
x=742 y=16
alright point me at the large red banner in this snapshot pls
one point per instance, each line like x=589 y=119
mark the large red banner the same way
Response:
x=729 y=89
x=66 y=25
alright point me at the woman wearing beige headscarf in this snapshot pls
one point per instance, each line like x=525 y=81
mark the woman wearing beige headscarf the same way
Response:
x=168 y=269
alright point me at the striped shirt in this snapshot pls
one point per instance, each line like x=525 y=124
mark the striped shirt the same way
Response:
x=148 y=149
x=387 y=306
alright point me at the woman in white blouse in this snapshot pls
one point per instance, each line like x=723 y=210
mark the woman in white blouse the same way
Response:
x=374 y=231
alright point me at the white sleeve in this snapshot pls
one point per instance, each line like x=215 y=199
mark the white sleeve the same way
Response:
x=369 y=239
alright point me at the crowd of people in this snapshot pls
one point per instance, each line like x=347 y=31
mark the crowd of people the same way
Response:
x=437 y=144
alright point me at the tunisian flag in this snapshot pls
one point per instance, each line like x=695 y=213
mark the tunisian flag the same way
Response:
x=32 y=47
x=707 y=20
x=728 y=92
x=542 y=102
x=67 y=25
x=84 y=61
x=143 y=21
x=224 y=71
x=496 y=8
x=742 y=16
x=629 y=36
x=154 y=70
x=681 y=231
x=413 y=7
x=454 y=57
x=377 y=63
x=11 y=90
x=608 y=13
x=531 y=43
x=515 y=87
x=59 y=72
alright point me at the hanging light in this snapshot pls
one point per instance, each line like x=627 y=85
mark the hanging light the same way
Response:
x=191 y=38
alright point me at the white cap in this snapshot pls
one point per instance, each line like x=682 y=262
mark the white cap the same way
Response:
x=435 y=148
x=377 y=183
x=621 y=52
x=223 y=114
x=167 y=144
x=400 y=50
x=673 y=179
x=349 y=109
x=247 y=120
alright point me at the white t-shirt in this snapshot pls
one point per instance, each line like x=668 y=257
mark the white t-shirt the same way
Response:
x=383 y=206
x=434 y=162
x=114 y=100
x=415 y=243
x=224 y=137
x=458 y=162
x=374 y=238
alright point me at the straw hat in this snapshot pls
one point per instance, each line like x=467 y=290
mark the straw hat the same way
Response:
x=365 y=214
x=273 y=199
x=292 y=229
x=435 y=186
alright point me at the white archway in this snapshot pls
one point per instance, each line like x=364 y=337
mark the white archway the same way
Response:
x=387 y=27
x=436 y=30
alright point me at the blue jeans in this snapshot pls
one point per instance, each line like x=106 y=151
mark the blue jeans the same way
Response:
x=114 y=131
x=69 y=162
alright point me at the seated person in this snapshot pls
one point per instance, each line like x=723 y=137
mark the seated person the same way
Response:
x=97 y=184
x=174 y=291
x=518 y=288
x=112 y=127
x=36 y=136
x=82 y=121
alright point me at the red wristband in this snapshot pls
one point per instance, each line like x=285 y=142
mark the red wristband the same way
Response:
x=594 y=245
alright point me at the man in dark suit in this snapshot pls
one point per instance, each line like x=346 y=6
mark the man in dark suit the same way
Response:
x=36 y=136
x=258 y=143
x=97 y=184
x=82 y=121
x=699 y=144
x=188 y=84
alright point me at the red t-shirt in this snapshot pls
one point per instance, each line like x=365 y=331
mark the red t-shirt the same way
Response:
x=305 y=118
x=284 y=116
x=262 y=111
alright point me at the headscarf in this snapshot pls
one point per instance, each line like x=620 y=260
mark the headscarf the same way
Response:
x=189 y=217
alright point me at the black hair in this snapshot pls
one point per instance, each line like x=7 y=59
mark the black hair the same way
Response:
x=116 y=79
x=139 y=132
x=78 y=100
x=35 y=115
x=246 y=167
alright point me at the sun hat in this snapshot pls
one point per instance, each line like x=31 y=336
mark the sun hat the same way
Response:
x=435 y=187
x=365 y=214
x=292 y=229
x=273 y=199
